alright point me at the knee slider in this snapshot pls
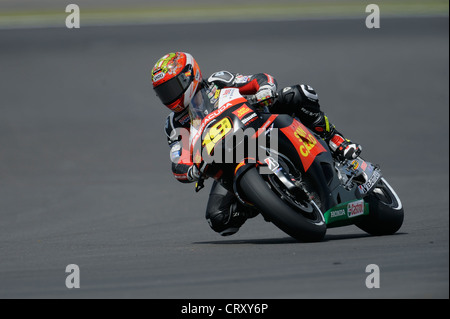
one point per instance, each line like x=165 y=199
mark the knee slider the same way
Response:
x=226 y=222
x=218 y=221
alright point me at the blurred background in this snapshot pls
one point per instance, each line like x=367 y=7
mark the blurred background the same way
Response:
x=20 y=13
x=84 y=166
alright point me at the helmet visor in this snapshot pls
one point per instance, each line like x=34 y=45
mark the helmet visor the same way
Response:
x=173 y=89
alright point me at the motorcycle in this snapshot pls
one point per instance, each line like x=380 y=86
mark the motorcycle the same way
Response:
x=288 y=175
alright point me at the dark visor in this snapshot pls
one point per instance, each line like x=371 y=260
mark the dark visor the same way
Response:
x=173 y=89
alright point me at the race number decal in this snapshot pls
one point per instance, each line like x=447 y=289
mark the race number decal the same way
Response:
x=305 y=143
x=216 y=133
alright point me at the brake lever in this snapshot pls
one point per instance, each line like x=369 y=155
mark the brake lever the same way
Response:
x=199 y=184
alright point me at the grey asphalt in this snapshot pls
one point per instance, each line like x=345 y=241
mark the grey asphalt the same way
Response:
x=85 y=173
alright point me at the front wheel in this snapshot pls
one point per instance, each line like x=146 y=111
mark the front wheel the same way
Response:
x=385 y=211
x=304 y=225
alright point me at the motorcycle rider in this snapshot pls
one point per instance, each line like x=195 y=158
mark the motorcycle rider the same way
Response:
x=176 y=78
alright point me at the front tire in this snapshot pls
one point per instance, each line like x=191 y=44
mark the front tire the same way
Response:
x=273 y=208
x=385 y=211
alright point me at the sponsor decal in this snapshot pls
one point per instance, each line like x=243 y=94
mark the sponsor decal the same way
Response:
x=271 y=163
x=308 y=112
x=242 y=111
x=158 y=76
x=363 y=165
x=337 y=213
x=306 y=144
x=318 y=129
x=242 y=79
x=355 y=208
x=366 y=187
x=344 y=213
x=250 y=118
x=186 y=118
x=227 y=92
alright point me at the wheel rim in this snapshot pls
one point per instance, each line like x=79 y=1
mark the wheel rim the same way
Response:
x=309 y=210
x=385 y=193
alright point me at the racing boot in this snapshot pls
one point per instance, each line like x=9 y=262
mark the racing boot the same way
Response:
x=237 y=216
x=224 y=213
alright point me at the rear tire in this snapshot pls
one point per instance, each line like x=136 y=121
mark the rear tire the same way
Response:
x=273 y=208
x=385 y=211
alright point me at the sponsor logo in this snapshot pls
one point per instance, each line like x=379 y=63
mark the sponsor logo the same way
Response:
x=271 y=163
x=252 y=117
x=363 y=166
x=337 y=213
x=308 y=112
x=306 y=144
x=186 y=118
x=242 y=79
x=158 y=76
x=364 y=188
x=355 y=208
x=308 y=141
x=229 y=92
x=242 y=111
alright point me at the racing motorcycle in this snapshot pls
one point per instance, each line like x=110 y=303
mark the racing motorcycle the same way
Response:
x=292 y=180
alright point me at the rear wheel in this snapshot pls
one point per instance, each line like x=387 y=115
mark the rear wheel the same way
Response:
x=299 y=219
x=385 y=211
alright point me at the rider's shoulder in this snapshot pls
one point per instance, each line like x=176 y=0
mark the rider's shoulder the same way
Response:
x=177 y=120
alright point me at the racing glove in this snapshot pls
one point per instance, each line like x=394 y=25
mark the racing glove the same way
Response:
x=193 y=174
x=265 y=95
x=344 y=149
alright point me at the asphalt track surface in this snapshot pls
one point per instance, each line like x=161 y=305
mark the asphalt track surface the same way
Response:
x=85 y=173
